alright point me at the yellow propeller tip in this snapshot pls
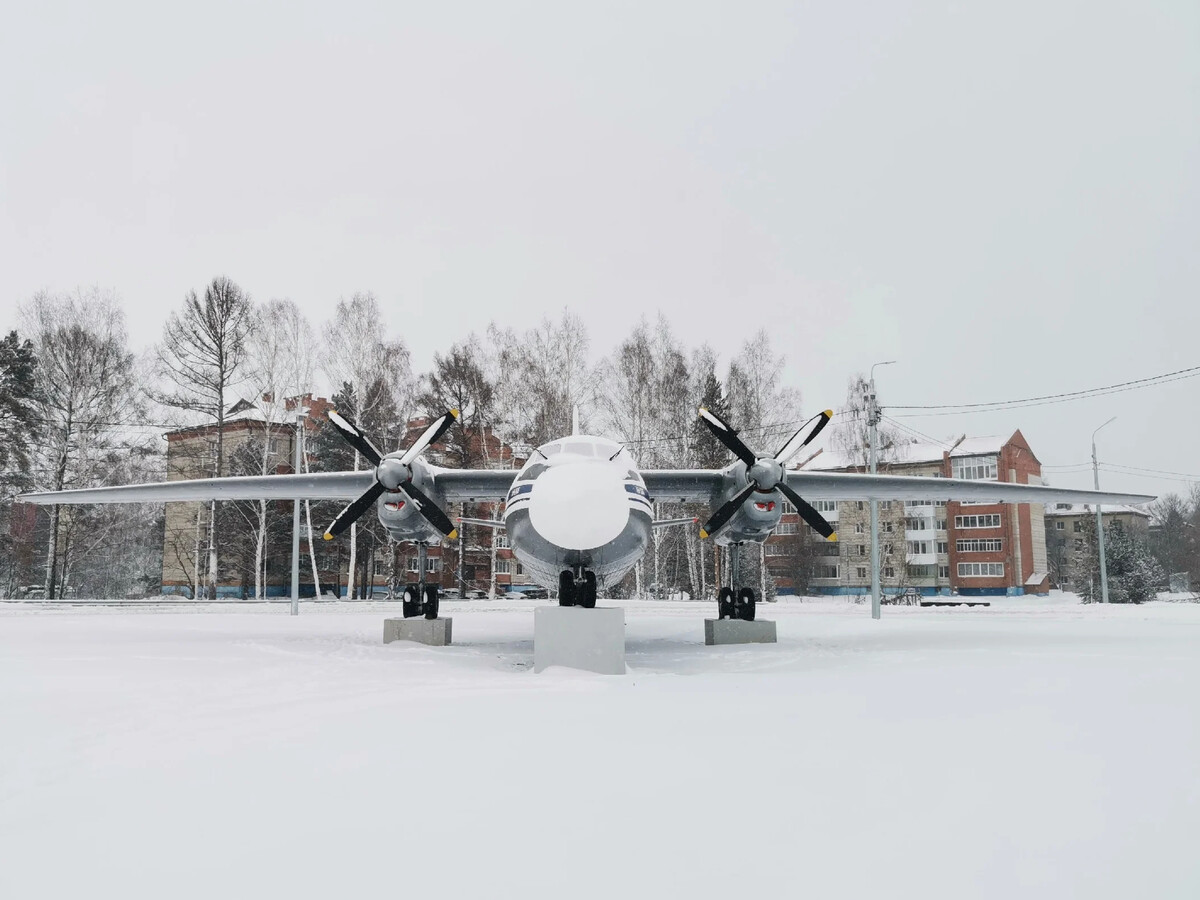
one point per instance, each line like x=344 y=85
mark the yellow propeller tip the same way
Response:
x=833 y=537
x=703 y=410
x=454 y=412
x=829 y=413
x=453 y=533
x=703 y=533
x=328 y=536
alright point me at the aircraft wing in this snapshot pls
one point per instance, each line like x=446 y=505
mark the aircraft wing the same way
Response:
x=857 y=486
x=314 y=486
x=707 y=485
x=683 y=485
x=473 y=485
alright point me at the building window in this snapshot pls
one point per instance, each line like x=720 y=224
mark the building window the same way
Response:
x=886 y=526
x=858 y=528
x=988 y=520
x=1061 y=526
x=920 y=571
x=981 y=570
x=861 y=571
x=504 y=567
x=1078 y=526
x=885 y=505
x=889 y=572
x=888 y=549
x=860 y=505
x=941 y=524
x=830 y=572
x=825 y=506
x=862 y=549
x=775 y=549
x=432 y=564
x=943 y=571
x=501 y=538
x=916 y=547
x=976 y=468
x=786 y=528
x=943 y=546
x=980 y=545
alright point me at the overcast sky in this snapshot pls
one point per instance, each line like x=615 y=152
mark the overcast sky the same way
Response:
x=1005 y=196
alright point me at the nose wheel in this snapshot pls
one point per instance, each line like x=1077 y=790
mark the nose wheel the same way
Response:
x=573 y=591
x=734 y=602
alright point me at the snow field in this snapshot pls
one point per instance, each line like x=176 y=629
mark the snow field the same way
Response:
x=1038 y=748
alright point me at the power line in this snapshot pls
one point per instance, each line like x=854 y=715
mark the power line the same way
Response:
x=1048 y=399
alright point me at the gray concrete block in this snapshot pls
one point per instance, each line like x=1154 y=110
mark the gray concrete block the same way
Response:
x=435 y=632
x=588 y=639
x=737 y=631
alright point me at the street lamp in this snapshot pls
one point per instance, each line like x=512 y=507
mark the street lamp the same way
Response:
x=873 y=416
x=1099 y=518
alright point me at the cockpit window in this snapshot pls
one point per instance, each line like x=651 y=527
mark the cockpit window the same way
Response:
x=533 y=472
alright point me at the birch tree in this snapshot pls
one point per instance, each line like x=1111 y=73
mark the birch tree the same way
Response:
x=85 y=389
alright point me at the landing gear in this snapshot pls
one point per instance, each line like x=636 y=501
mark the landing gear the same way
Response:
x=420 y=598
x=574 y=591
x=732 y=602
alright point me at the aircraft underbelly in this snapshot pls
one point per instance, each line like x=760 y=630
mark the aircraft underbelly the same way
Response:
x=544 y=560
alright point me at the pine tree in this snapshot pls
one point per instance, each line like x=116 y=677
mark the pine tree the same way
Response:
x=19 y=423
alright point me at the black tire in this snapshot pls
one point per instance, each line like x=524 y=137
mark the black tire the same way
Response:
x=431 y=601
x=745 y=605
x=725 y=608
x=566 y=588
x=411 y=605
x=587 y=595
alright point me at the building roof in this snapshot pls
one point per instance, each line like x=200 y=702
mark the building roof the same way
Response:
x=912 y=453
x=1086 y=509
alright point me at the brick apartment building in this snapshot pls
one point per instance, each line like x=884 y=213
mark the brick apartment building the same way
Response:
x=937 y=548
x=272 y=429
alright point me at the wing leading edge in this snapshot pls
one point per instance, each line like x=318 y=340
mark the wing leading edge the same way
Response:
x=704 y=485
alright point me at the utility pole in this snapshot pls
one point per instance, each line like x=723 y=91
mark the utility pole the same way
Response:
x=1100 y=518
x=298 y=443
x=873 y=416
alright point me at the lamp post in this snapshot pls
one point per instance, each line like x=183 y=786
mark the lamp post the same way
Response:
x=873 y=416
x=298 y=442
x=1099 y=517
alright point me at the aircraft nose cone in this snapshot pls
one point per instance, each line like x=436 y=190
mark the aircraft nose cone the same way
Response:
x=579 y=507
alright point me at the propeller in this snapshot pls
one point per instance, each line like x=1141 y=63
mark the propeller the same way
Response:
x=766 y=474
x=392 y=474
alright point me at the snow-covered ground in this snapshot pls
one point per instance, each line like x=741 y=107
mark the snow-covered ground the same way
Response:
x=1038 y=748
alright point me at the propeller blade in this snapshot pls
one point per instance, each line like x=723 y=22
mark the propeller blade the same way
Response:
x=435 y=430
x=797 y=442
x=808 y=513
x=431 y=511
x=727 y=436
x=348 y=515
x=725 y=513
x=355 y=438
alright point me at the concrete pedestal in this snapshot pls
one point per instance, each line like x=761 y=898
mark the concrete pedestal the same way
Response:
x=737 y=631
x=435 y=632
x=588 y=639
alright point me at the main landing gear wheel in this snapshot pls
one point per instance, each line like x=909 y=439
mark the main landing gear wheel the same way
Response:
x=745 y=605
x=587 y=591
x=566 y=588
x=725 y=606
x=412 y=601
x=431 y=601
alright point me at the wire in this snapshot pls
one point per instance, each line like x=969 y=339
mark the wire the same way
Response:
x=1048 y=399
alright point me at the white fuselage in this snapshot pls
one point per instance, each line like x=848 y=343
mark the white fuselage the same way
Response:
x=578 y=503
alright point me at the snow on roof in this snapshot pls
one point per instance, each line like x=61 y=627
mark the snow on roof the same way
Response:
x=911 y=453
x=1036 y=578
x=1084 y=509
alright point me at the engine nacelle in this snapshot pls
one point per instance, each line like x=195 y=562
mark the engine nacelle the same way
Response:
x=758 y=515
x=399 y=514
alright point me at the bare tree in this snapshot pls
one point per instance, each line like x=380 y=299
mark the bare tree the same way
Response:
x=203 y=354
x=85 y=390
x=374 y=373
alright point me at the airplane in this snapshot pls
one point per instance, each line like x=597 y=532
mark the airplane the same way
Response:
x=579 y=513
